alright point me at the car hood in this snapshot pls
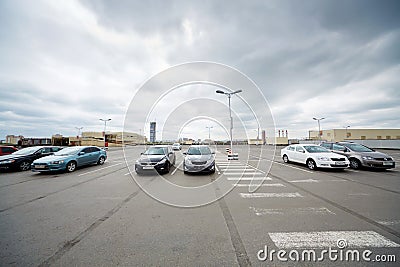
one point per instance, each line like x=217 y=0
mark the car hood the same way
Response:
x=50 y=158
x=374 y=154
x=151 y=158
x=200 y=157
x=11 y=156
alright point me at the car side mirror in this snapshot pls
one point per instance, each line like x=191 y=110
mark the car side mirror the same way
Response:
x=81 y=153
x=184 y=153
x=213 y=153
x=141 y=153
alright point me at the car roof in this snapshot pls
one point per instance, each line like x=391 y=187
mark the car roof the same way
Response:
x=199 y=146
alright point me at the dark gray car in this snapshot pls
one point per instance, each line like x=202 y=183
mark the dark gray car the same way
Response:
x=360 y=155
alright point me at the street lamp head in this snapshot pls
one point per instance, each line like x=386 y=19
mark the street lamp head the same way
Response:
x=315 y=119
x=237 y=91
x=220 y=92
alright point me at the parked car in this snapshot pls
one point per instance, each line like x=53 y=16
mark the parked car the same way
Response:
x=160 y=158
x=6 y=150
x=176 y=146
x=314 y=156
x=70 y=158
x=360 y=155
x=22 y=159
x=199 y=158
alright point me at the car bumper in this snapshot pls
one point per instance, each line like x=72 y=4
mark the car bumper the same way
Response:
x=199 y=168
x=47 y=168
x=378 y=164
x=7 y=166
x=333 y=164
x=150 y=168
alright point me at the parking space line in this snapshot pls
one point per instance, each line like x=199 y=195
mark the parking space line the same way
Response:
x=286 y=165
x=292 y=211
x=305 y=181
x=100 y=169
x=176 y=168
x=249 y=179
x=358 y=239
x=266 y=185
x=268 y=195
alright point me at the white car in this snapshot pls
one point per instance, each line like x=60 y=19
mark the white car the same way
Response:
x=314 y=157
x=176 y=146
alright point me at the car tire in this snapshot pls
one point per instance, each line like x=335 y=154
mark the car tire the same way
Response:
x=285 y=158
x=101 y=160
x=355 y=163
x=24 y=165
x=167 y=167
x=71 y=166
x=311 y=164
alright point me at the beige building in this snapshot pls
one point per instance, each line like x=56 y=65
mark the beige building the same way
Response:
x=283 y=140
x=112 y=138
x=337 y=135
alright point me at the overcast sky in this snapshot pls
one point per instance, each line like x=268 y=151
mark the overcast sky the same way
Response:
x=65 y=64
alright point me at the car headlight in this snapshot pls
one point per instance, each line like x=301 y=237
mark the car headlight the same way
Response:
x=323 y=158
x=187 y=161
x=367 y=158
x=7 y=161
x=56 y=162
x=162 y=161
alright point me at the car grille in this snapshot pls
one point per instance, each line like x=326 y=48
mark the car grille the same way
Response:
x=199 y=162
x=382 y=159
x=148 y=163
x=338 y=159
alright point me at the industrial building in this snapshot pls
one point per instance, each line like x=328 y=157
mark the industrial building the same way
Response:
x=337 y=135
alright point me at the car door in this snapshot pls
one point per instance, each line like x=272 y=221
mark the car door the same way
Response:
x=339 y=149
x=94 y=154
x=301 y=154
x=83 y=157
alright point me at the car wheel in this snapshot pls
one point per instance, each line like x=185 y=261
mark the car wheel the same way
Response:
x=285 y=159
x=311 y=164
x=24 y=166
x=71 y=166
x=355 y=164
x=101 y=160
x=167 y=167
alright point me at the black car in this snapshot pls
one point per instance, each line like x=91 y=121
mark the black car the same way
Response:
x=22 y=159
x=155 y=158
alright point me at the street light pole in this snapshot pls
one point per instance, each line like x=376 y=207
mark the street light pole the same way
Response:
x=79 y=133
x=346 y=130
x=209 y=129
x=230 y=111
x=319 y=127
x=105 y=127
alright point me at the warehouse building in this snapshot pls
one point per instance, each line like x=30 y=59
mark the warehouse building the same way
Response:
x=337 y=135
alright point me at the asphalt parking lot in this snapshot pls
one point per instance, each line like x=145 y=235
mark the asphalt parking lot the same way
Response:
x=99 y=216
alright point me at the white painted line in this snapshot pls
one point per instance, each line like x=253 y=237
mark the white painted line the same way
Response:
x=100 y=169
x=262 y=195
x=216 y=168
x=359 y=194
x=127 y=173
x=354 y=239
x=389 y=223
x=242 y=173
x=292 y=211
x=176 y=168
x=267 y=185
x=305 y=181
x=249 y=179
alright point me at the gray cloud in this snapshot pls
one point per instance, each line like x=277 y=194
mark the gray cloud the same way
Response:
x=68 y=64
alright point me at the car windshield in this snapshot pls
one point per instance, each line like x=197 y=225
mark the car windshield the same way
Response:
x=316 y=149
x=203 y=150
x=155 y=151
x=359 y=148
x=68 y=151
x=26 y=151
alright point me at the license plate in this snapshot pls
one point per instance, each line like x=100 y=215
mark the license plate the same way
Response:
x=388 y=163
x=40 y=166
x=148 y=167
x=340 y=163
